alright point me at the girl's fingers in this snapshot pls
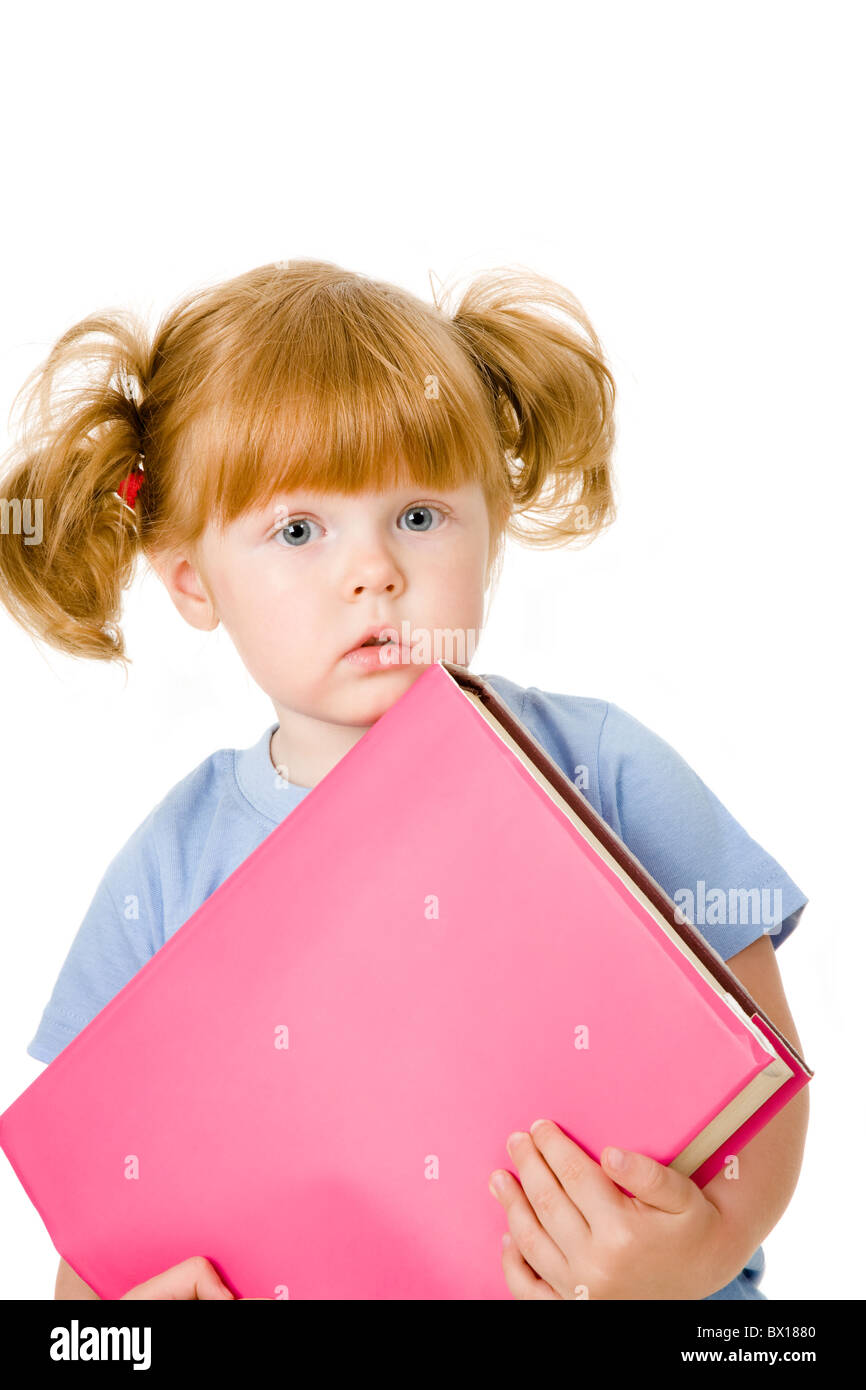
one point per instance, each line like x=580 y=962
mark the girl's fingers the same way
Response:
x=541 y=1253
x=557 y=1207
x=194 y=1278
x=589 y=1188
x=522 y=1281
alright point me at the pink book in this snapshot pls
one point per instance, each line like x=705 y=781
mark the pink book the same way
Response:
x=312 y=1080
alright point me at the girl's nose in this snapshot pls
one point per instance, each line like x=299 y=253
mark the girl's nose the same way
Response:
x=377 y=574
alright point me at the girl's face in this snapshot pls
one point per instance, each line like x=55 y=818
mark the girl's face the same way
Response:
x=299 y=583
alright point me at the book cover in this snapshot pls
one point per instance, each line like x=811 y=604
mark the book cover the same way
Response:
x=312 y=1080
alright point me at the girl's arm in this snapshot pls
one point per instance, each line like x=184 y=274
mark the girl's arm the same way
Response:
x=769 y=1165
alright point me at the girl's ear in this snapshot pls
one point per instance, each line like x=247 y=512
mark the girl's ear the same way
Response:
x=187 y=590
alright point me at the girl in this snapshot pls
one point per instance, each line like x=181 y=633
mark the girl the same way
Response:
x=311 y=457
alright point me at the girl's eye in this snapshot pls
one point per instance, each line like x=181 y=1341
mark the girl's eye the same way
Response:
x=292 y=534
x=290 y=531
x=417 y=515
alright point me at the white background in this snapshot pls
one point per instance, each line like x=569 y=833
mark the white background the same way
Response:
x=694 y=175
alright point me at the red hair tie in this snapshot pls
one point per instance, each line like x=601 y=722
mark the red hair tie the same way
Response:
x=128 y=490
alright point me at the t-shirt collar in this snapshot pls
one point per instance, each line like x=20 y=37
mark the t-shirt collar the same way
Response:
x=260 y=782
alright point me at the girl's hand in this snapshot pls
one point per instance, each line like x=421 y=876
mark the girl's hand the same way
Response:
x=192 y=1278
x=574 y=1234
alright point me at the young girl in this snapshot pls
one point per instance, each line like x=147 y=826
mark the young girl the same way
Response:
x=311 y=457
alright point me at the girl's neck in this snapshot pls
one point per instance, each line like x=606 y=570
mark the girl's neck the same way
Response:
x=303 y=765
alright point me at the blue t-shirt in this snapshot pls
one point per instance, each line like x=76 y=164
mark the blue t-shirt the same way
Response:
x=722 y=880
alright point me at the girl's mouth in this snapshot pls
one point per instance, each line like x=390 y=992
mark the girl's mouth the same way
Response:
x=367 y=656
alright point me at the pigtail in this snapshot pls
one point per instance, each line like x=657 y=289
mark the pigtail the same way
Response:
x=69 y=543
x=552 y=395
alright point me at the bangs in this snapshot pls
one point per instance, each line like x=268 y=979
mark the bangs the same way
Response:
x=348 y=393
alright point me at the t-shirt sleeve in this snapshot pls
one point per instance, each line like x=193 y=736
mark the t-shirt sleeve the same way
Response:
x=120 y=931
x=725 y=883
